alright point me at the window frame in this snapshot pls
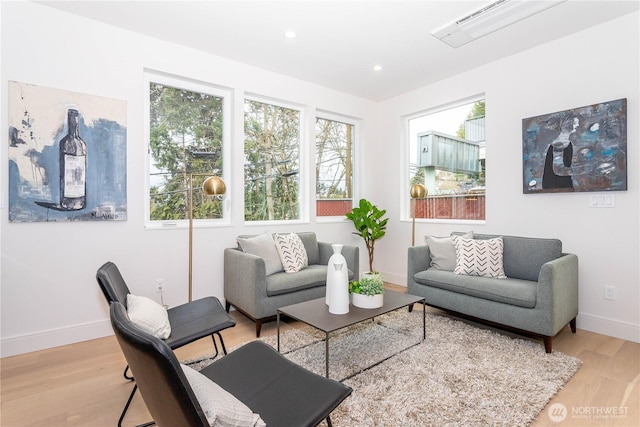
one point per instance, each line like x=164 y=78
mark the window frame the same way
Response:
x=185 y=83
x=406 y=213
x=303 y=155
x=356 y=123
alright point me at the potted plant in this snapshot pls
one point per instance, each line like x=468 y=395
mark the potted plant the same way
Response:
x=370 y=224
x=367 y=292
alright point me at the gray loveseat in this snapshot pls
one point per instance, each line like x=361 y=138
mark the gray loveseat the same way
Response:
x=258 y=296
x=539 y=295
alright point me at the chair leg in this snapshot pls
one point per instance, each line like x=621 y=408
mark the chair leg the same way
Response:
x=126 y=405
x=329 y=421
x=572 y=325
x=127 y=377
x=215 y=345
x=126 y=408
x=213 y=338
x=224 y=349
x=548 y=342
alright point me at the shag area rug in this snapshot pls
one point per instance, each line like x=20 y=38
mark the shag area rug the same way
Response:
x=460 y=375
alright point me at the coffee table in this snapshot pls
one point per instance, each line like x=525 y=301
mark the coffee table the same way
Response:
x=315 y=313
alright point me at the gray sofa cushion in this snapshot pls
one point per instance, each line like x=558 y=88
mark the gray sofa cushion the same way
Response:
x=310 y=242
x=524 y=256
x=310 y=277
x=511 y=291
x=443 y=251
x=263 y=246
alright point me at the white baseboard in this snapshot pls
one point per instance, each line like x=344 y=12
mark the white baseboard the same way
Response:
x=611 y=327
x=396 y=279
x=12 y=346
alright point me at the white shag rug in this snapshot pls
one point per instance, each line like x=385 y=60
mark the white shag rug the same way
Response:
x=460 y=375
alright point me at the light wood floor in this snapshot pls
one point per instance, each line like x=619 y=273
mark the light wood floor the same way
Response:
x=82 y=384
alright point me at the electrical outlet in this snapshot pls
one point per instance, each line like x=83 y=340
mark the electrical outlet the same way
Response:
x=159 y=286
x=610 y=292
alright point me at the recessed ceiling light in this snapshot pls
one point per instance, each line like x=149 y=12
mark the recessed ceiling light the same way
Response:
x=377 y=67
x=290 y=34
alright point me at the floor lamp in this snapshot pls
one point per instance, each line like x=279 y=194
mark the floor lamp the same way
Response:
x=212 y=186
x=418 y=191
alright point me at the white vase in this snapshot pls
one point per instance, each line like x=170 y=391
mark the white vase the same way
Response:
x=337 y=296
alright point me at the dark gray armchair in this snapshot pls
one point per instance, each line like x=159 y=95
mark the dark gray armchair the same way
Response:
x=279 y=391
x=189 y=322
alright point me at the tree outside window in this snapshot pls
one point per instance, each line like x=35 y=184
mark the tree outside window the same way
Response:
x=447 y=155
x=272 y=162
x=186 y=136
x=334 y=172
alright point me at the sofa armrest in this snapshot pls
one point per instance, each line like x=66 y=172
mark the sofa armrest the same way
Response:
x=558 y=290
x=244 y=279
x=418 y=259
x=351 y=255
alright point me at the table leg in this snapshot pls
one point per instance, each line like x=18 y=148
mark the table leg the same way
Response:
x=278 y=327
x=326 y=354
x=424 y=320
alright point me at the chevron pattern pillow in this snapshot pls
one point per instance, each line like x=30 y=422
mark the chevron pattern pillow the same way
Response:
x=480 y=257
x=292 y=252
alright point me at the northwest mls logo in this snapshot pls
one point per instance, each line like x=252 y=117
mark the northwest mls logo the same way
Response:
x=557 y=412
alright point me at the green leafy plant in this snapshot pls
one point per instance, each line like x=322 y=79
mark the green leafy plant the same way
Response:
x=370 y=284
x=370 y=224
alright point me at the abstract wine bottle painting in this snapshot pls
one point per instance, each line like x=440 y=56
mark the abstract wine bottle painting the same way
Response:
x=67 y=156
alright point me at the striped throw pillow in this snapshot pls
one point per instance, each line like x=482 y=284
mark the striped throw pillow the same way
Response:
x=292 y=252
x=480 y=257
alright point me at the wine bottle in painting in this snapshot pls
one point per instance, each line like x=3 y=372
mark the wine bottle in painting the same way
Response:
x=73 y=166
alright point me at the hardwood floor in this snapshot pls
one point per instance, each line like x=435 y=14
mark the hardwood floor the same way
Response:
x=82 y=384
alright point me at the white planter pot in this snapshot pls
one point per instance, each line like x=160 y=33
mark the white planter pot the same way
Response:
x=367 y=301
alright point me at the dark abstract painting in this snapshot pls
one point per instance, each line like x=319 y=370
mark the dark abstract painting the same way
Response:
x=582 y=149
x=67 y=155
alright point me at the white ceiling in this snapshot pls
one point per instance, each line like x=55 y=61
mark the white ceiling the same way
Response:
x=339 y=42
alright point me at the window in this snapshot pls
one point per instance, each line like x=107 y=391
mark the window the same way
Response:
x=272 y=162
x=187 y=134
x=447 y=155
x=334 y=167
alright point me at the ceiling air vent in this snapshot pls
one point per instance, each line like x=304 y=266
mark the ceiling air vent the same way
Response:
x=490 y=18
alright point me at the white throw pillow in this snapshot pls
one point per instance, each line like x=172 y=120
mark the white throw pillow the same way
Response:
x=292 y=252
x=443 y=251
x=149 y=316
x=480 y=257
x=220 y=407
x=264 y=247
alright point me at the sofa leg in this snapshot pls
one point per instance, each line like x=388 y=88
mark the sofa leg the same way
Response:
x=258 y=327
x=572 y=325
x=227 y=306
x=547 y=343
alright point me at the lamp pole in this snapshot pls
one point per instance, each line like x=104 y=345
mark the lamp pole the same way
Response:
x=212 y=186
x=418 y=191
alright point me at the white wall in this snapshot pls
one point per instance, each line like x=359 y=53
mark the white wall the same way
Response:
x=596 y=65
x=49 y=294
